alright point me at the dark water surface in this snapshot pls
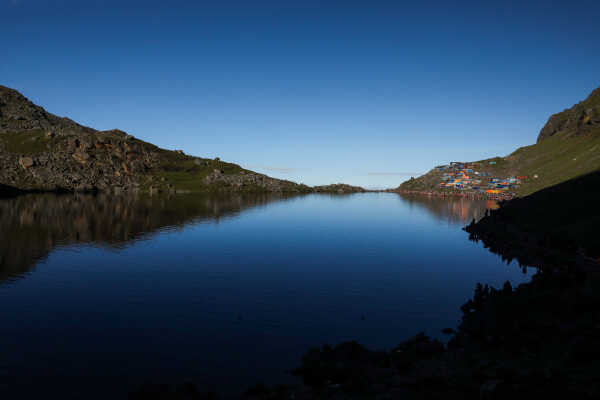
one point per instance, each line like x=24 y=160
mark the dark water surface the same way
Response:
x=223 y=291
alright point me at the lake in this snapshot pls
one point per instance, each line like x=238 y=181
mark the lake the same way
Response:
x=223 y=290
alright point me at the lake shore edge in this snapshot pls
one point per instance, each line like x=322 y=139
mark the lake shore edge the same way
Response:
x=537 y=340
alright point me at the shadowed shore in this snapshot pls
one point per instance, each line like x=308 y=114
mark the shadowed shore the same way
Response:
x=538 y=340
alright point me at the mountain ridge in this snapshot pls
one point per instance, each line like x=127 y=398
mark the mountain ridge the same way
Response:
x=567 y=146
x=40 y=151
x=581 y=118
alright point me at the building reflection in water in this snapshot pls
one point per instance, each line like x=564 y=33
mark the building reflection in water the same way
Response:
x=454 y=210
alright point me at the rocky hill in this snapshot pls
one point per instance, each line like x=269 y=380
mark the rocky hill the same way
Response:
x=339 y=188
x=568 y=146
x=41 y=151
x=581 y=119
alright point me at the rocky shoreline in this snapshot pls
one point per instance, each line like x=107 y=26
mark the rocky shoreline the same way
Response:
x=538 y=340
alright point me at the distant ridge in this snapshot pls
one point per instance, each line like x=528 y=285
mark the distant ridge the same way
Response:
x=567 y=146
x=40 y=151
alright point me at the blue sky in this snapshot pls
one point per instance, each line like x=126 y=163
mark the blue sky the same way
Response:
x=367 y=93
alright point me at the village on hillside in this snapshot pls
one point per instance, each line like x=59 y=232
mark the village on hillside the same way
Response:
x=470 y=177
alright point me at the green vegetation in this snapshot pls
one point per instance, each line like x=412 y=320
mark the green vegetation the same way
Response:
x=554 y=160
x=568 y=146
x=189 y=174
x=26 y=142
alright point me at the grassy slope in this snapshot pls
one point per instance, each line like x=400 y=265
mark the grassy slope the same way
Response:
x=568 y=147
x=555 y=160
x=182 y=172
x=27 y=142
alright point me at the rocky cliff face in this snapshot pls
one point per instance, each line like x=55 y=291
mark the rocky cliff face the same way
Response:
x=583 y=118
x=40 y=151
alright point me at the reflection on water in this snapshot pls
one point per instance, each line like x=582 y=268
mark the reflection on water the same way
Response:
x=32 y=225
x=219 y=292
x=455 y=210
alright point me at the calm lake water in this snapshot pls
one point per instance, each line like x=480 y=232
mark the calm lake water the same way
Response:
x=224 y=291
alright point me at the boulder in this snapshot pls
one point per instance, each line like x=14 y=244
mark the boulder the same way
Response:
x=487 y=389
x=26 y=162
x=81 y=156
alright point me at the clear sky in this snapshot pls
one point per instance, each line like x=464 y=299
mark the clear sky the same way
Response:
x=367 y=93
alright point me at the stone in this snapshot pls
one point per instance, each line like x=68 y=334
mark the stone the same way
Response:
x=26 y=162
x=401 y=380
x=80 y=156
x=487 y=389
x=429 y=348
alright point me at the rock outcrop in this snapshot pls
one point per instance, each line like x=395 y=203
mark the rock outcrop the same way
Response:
x=567 y=147
x=339 y=188
x=43 y=152
x=583 y=118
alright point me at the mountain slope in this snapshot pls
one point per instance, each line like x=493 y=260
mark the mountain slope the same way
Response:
x=568 y=146
x=581 y=119
x=40 y=151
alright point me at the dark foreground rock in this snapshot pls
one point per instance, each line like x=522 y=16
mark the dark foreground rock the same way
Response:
x=540 y=340
x=553 y=227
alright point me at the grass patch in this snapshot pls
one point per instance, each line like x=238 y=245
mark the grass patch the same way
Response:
x=187 y=173
x=555 y=160
x=25 y=142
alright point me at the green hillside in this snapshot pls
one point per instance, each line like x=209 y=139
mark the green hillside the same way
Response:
x=568 y=146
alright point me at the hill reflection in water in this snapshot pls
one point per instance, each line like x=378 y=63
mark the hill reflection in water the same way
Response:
x=31 y=226
x=454 y=210
x=221 y=291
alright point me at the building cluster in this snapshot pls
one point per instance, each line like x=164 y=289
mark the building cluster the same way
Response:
x=465 y=176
